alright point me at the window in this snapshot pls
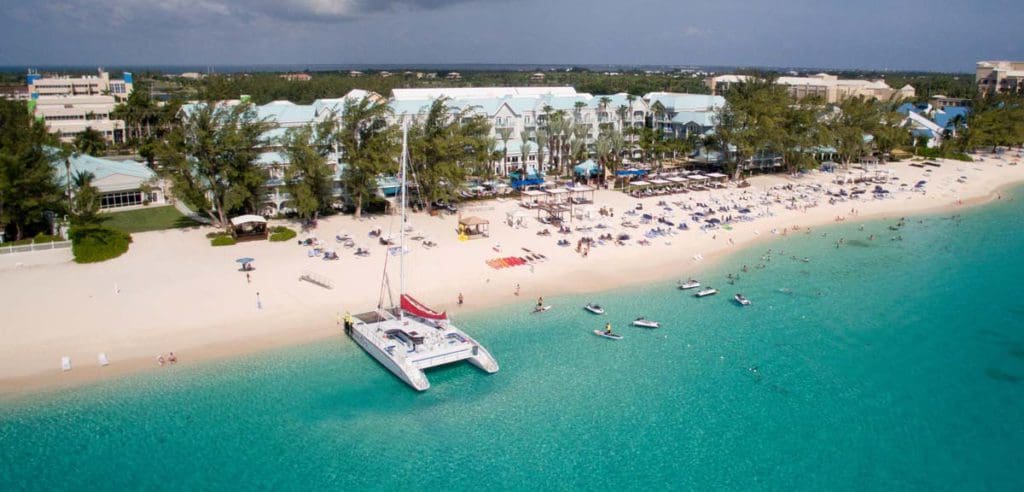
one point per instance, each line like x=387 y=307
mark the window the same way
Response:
x=121 y=199
x=529 y=119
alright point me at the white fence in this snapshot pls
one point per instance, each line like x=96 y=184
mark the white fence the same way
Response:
x=28 y=248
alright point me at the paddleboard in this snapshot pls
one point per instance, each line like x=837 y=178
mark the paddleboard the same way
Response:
x=540 y=309
x=613 y=336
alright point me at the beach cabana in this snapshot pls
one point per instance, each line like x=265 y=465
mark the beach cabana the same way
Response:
x=249 y=228
x=516 y=218
x=581 y=194
x=531 y=198
x=474 y=227
x=557 y=195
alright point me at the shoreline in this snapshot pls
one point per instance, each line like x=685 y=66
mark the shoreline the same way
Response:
x=313 y=318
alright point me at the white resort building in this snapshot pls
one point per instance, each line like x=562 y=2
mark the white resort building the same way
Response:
x=830 y=88
x=69 y=105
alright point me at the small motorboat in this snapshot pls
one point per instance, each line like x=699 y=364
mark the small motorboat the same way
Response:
x=741 y=299
x=613 y=336
x=594 y=308
x=646 y=323
x=706 y=292
x=689 y=284
x=540 y=309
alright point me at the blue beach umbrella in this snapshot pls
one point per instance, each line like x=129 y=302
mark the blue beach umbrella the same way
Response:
x=245 y=260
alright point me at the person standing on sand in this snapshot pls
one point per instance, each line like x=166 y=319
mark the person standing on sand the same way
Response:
x=259 y=304
x=248 y=278
x=517 y=289
x=461 y=299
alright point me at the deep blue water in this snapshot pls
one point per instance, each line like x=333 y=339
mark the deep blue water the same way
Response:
x=879 y=365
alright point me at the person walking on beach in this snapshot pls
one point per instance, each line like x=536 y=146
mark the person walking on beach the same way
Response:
x=248 y=278
x=460 y=298
x=517 y=289
x=259 y=303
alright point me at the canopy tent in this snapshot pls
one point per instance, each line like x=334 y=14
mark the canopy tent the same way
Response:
x=249 y=227
x=676 y=179
x=587 y=168
x=716 y=176
x=660 y=182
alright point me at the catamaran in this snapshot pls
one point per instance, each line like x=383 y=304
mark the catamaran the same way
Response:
x=412 y=337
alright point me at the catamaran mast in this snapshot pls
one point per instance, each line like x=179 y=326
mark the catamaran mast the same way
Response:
x=401 y=226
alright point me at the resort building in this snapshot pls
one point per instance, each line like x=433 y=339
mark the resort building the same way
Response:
x=518 y=112
x=684 y=115
x=830 y=88
x=122 y=184
x=69 y=105
x=296 y=77
x=933 y=124
x=1000 y=77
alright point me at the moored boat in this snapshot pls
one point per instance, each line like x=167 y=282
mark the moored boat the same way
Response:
x=689 y=284
x=743 y=301
x=594 y=308
x=706 y=292
x=646 y=323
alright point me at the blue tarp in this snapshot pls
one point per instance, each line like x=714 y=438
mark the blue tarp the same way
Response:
x=631 y=172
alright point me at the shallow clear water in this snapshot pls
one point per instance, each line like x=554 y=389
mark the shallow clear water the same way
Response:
x=882 y=364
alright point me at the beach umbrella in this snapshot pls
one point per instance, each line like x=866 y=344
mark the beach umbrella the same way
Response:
x=245 y=260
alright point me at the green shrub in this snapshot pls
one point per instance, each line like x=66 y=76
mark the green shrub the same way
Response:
x=215 y=234
x=45 y=238
x=90 y=244
x=282 y=233
x=224 y=240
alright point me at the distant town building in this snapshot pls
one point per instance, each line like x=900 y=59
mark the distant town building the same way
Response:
x=453 y=76
x=385 y=74
x=537 y=77
x=355 y=73
x=830 y=88
x=939 y=101
x=1000 y=77
x=191 y=75
x=297 y=77
x=69 y=105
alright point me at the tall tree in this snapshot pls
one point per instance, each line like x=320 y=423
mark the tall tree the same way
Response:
x=446 y=147
x=308 y=177
x=28 y=185
x=371 y=147
x=211 y=159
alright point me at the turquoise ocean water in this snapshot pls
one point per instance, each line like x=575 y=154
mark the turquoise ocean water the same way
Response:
x=880 y=365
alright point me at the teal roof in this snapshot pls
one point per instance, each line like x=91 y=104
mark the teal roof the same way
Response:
x=287 y=113
x=677 y=102
x=703 y=118
x=99 y=167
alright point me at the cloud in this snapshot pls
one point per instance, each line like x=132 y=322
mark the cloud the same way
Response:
x=201 y=12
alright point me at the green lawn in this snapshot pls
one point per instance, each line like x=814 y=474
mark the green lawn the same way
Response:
x=147 y=219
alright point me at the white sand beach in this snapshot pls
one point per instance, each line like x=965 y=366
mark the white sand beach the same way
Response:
x=173 y=292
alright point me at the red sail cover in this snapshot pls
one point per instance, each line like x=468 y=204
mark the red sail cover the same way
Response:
x=414 y=307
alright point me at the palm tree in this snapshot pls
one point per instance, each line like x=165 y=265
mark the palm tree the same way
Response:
x=543 y=138
x=505 y=134
x=90 y=142
x=524 y=148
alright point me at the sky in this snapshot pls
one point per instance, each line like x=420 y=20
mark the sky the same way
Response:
x=934 y=35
